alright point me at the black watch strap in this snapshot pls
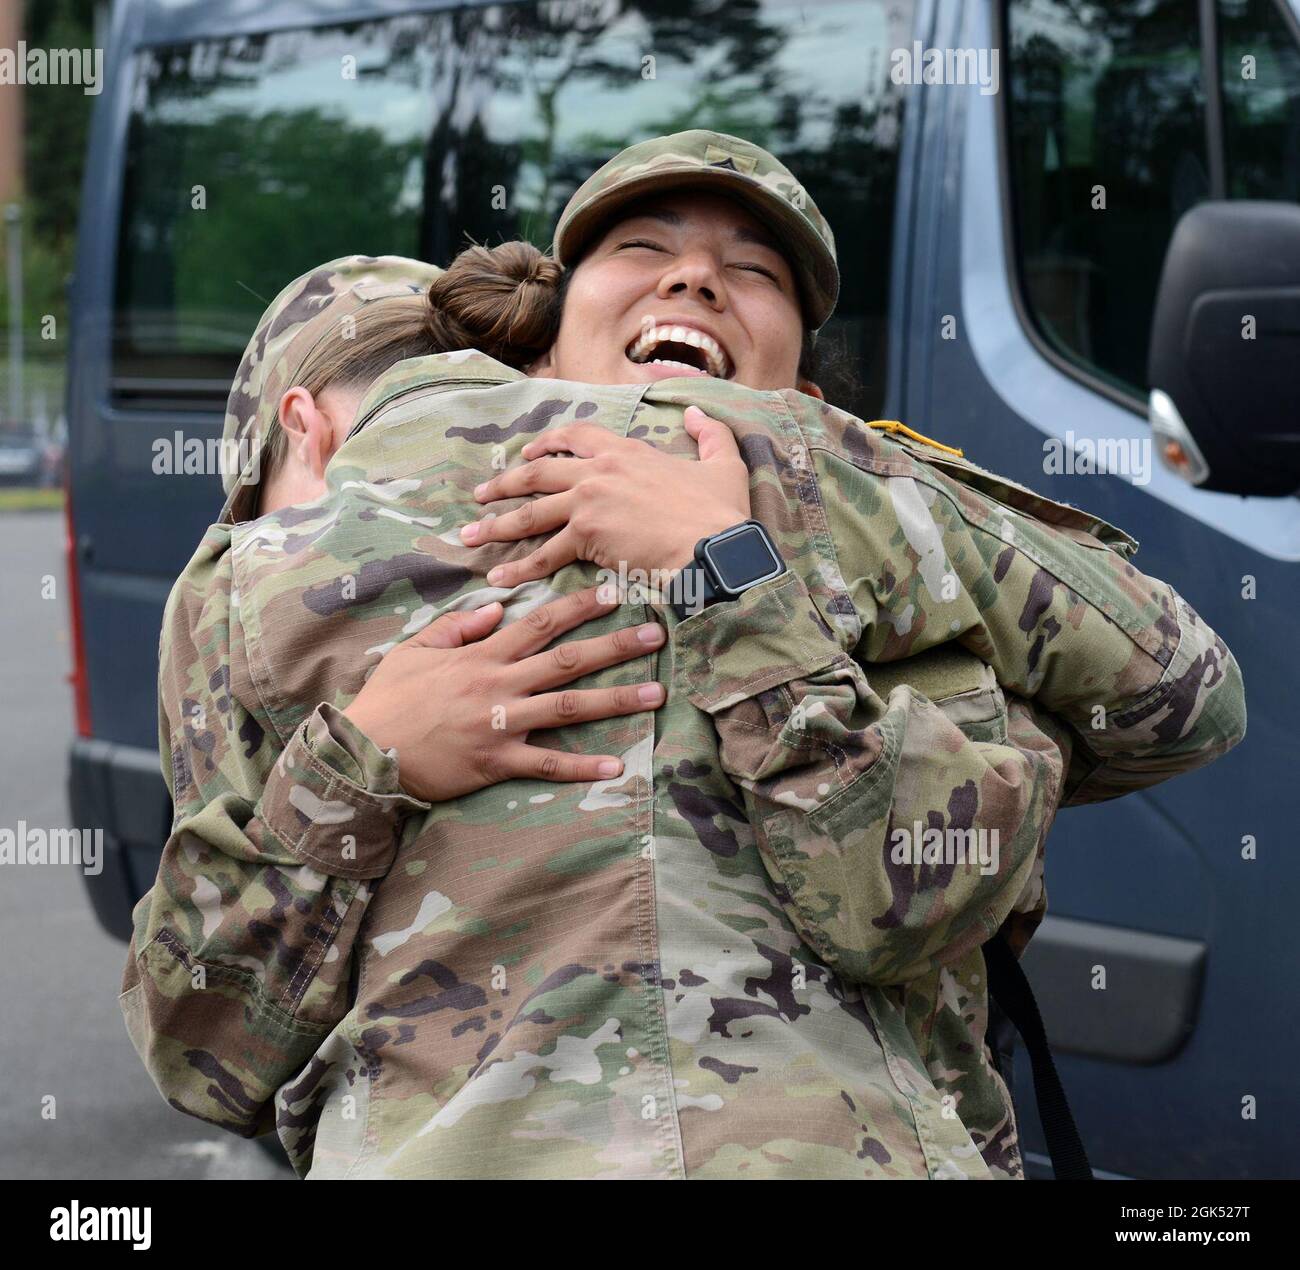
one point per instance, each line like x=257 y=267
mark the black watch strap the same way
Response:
x=692 y=589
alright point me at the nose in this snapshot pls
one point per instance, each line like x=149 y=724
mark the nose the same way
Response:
x=691 y=275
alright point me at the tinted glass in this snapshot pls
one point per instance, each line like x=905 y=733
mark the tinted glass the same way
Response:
x=481 y=122
x=1260 y=62
x=1107 y=132
x=249 y=161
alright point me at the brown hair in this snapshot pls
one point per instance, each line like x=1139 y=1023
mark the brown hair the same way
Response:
x=503 y=301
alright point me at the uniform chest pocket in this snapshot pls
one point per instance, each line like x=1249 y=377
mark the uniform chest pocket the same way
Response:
x=823 y=742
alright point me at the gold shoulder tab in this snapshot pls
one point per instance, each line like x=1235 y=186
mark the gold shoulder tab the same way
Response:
x=894 y=426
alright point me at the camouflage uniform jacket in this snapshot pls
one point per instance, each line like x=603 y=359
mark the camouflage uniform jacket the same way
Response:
x=716 y=964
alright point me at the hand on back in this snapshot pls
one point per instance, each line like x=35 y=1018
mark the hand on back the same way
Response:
x=458 y=699
x=617 y=502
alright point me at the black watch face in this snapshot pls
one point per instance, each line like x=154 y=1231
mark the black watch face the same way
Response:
x=743 y=559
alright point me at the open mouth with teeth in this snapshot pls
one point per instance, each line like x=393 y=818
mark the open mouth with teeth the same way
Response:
x=681 y=346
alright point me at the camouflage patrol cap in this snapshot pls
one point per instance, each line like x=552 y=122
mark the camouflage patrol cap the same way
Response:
x=295 y=323
x=727 y=165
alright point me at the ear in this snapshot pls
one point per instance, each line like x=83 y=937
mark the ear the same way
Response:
x=810 y=389
x=309 y=430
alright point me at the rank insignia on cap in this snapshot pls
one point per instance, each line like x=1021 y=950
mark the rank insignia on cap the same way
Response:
x=716 y=157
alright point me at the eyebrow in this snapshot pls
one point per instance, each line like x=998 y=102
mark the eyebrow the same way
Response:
x=741 y=234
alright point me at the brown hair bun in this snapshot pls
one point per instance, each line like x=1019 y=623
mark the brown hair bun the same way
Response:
x=503 y=301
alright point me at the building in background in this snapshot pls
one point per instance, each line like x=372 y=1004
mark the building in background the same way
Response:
x=11 y=108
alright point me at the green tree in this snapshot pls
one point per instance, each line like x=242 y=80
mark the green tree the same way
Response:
x=57 y=122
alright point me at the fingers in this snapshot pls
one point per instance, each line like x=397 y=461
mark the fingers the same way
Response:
x=546 y=476
x=582 y=439
x=715 y=439
x=567 y=662
x=559 y=709
x=549 y=558
x=452 y=630
x=532 y=761
x=538 y=627
x=538 y=516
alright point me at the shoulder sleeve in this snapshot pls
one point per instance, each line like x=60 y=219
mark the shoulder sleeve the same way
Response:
x=865 y=784
x=1062 y=616
x=851 y=749
x=241 y=952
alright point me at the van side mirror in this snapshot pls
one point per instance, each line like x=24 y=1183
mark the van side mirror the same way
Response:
x=1224 y=364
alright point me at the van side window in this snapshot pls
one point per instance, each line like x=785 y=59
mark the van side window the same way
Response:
x=250 y=160
x=1259 y=59
x=1107 y=149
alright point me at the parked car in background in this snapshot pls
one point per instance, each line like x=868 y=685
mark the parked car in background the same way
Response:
x=21 y=459
x=1002 y=256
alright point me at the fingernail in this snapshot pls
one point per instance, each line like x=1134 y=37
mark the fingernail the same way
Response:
x=650 y=633
x=610 y=767
x=495 y=575
x=607 y=593
x=651 y=694
x=480 y=490
x=470 y=532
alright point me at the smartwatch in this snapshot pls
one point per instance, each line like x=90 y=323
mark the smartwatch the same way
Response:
x=725 y=566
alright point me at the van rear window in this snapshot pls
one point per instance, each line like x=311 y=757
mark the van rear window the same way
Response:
x=252 y=159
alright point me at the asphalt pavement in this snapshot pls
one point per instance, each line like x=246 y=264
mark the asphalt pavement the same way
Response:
x=75 y=1101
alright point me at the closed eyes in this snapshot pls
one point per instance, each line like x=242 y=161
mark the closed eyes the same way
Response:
x=735 y=264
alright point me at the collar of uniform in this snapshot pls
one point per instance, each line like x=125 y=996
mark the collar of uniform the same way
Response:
x=466 y=365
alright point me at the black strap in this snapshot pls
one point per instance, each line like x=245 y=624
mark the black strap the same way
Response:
x=691 y=576
x=1010 y=989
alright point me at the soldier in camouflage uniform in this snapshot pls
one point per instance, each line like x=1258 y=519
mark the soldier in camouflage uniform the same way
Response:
x=710 y=965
